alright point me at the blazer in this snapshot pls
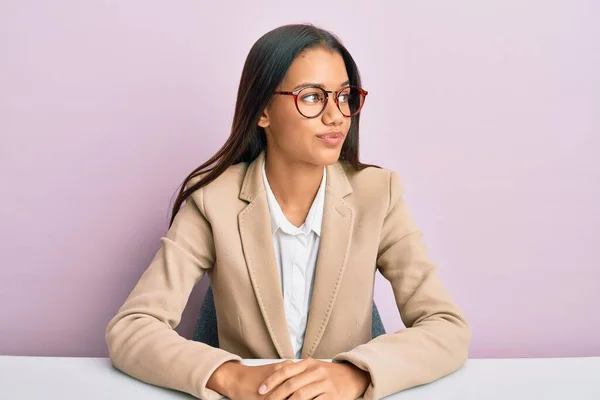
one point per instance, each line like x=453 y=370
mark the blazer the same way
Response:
x=223 y=230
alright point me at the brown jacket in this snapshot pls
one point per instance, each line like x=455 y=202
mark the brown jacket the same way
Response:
x=224 y=231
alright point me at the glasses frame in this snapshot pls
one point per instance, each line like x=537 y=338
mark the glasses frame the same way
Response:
x=336 y=97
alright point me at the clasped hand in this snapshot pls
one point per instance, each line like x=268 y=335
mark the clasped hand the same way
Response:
x=306 y=379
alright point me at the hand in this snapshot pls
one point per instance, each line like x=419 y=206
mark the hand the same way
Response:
x=314 y=379
x=238 y=381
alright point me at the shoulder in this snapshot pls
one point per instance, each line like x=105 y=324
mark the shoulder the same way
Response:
x=372 y=179
x=232 y=176
x=374 y=186
x=226 y=186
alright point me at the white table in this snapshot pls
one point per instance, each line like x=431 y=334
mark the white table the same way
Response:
x=28 y=378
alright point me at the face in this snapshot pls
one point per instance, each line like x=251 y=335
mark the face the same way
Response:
x=291 y=135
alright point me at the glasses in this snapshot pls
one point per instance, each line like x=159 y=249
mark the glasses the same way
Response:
x=312 y=100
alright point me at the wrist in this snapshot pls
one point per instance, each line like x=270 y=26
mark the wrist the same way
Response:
x=362 y=378
x=223 y=380
x=365 y=381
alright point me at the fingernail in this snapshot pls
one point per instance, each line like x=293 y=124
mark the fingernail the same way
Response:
x=262 y=389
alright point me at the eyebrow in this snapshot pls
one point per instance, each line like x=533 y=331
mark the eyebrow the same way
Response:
x=317 y=84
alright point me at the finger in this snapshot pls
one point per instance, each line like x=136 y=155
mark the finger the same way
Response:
x=279 y=365
x=315 y=390
x=293 y=384
x=282 y=375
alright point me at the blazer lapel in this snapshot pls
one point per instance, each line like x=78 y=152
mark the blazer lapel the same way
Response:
x=336 y=235
x=257 y=243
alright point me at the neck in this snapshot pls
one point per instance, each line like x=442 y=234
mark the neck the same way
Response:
x=294 y=184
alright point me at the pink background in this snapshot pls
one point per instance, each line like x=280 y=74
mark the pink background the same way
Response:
x=489 y=110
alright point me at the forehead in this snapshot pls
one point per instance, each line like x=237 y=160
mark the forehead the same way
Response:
x=318 y=65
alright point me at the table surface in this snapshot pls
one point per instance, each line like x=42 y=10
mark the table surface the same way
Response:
x=26 y=378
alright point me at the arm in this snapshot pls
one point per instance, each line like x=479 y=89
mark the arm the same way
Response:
x=141 y=338
x=436 y=340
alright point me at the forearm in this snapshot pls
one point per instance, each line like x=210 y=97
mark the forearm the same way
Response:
x=148 y=350
x=412 y=356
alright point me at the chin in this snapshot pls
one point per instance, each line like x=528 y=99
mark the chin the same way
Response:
x=328 y=157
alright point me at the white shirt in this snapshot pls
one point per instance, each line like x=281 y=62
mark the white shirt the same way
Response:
x=296 y=251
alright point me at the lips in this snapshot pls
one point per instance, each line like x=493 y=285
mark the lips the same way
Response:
x=331 y=138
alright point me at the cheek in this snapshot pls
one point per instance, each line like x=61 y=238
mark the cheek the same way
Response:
x=283 y=115
x=290 y=128
x=346 y=125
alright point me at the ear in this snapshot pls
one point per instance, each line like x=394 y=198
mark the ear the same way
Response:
x=263 y=121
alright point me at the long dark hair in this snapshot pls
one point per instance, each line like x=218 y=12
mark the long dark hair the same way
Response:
x=264 y=69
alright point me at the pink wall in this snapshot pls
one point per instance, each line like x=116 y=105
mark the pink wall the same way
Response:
x=489 y=110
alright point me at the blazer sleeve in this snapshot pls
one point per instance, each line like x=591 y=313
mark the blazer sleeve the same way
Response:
x=436 y=339
x=141 y=338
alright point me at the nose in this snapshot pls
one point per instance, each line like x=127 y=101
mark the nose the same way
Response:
x=332 y=114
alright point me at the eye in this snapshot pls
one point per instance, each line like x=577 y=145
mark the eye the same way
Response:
x=311 y=98
x=345 y=96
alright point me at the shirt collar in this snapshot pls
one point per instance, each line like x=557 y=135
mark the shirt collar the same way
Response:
x=314 y=219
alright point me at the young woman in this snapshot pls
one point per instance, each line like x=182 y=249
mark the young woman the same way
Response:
x=290 y=228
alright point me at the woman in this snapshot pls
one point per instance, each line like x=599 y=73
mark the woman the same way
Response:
x=290 y=228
